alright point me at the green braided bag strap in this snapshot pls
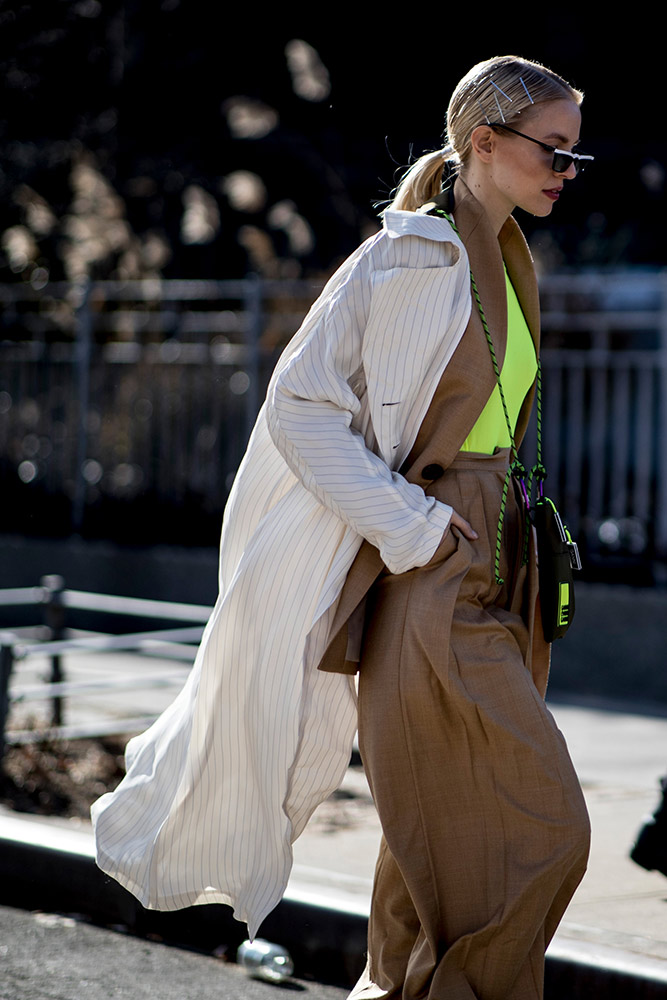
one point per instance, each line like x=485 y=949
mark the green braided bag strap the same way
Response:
x=515 y=469
x=538 y=473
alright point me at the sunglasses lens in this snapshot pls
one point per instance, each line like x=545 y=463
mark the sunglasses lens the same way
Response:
x=562 y=163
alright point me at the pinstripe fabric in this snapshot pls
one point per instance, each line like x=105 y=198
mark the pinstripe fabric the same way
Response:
x=221 y=785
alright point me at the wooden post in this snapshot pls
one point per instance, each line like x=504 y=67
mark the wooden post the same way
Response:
x=6 y=666
x=54 y=616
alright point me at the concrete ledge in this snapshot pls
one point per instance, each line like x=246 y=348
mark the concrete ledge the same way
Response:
x=579 y=972
x=45 y=865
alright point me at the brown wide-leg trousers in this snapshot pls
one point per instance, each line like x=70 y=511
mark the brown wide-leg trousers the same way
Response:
x=485 y=827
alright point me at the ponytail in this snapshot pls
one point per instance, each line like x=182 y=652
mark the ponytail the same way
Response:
x=422 y=181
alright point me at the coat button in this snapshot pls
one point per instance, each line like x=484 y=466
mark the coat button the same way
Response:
x=432 y=472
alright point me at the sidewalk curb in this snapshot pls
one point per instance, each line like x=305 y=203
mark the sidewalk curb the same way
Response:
x=51 y=868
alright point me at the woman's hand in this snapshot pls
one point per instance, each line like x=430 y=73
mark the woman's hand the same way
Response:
x=449 y=541
x=464 y=527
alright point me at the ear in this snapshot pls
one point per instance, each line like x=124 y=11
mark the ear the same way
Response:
x=483 y=141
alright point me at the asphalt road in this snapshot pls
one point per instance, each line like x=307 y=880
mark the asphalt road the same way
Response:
x=44 y=956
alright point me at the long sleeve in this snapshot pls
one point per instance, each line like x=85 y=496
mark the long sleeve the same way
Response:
x=316 y=418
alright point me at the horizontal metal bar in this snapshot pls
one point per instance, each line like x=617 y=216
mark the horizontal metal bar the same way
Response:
x=139 y=606
x=597 y=358
x=84 y=730
x=21 y=595
x=156 y=290
x=175 y=352
x=103 y=643
x=64 y=689
x=110 y=603
x=597 y=318
x=140 y=320
x=165 y=290
x=131 y=352
x=168 y=650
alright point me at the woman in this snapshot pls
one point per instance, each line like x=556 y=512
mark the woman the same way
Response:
x=362 y=527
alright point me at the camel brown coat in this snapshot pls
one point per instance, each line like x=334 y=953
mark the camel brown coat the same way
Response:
x=485 y=828
x=462 y=394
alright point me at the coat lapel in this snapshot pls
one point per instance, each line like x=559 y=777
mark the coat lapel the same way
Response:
x=486 y=264
x=521 y=271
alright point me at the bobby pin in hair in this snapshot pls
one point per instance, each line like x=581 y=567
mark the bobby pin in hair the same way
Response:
x=506 y=96
x=500 y=110
x=488 y=120
x=527 y=91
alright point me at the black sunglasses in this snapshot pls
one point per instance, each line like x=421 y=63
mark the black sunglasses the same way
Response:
x=562 y=160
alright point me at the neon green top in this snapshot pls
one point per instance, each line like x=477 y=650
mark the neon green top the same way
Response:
x=518 y=374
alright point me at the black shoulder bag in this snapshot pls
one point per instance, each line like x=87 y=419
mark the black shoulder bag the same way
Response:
x=557 y=552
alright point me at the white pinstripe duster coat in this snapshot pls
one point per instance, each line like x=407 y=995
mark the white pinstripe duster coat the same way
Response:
x=221 y=785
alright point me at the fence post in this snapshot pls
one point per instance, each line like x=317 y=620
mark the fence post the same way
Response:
x=83 y=354
x=661 y=491
x=54 y=617
x=6 y=665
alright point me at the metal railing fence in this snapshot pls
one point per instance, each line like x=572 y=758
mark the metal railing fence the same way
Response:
x=126 y=407
x=53 y=599
x=117 y=391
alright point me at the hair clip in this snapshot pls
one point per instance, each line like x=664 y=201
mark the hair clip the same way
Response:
x=500 y=110
x=506 y=96
x=527 y=91
x=486 y=117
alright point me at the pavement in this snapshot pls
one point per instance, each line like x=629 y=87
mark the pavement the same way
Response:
x=612 y=941
x=47 y=956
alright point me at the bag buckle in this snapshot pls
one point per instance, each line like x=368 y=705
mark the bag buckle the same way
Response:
x=573 y=549
x=575 y=558
x=566 y=538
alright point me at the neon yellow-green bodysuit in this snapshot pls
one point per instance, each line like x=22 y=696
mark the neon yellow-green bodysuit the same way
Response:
x=518 y=373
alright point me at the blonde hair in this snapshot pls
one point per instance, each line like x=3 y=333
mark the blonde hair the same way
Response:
x=505 y=88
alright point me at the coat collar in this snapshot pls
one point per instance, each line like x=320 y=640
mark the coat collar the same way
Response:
x=431 y=227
